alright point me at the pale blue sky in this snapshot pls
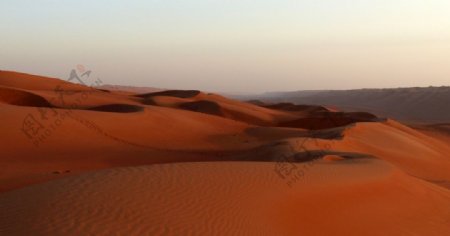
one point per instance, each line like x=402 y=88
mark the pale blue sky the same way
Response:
x=232 y=46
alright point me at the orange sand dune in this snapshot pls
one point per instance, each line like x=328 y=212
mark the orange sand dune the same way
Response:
x=34 y=82
x=22 y=98
x=416 y=153
x=230 y=167
x=439 y=131
x=326 y=120
x=415 y=104
x=217 y=105
x=292 y=107
x=128 y=89
x=361 y=198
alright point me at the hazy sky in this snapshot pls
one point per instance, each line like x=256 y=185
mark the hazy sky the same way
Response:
x=232 y=45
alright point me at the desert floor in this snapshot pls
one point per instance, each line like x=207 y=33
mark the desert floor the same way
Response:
x=77 y=160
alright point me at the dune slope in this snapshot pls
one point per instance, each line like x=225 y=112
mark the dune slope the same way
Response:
x=230 y=199
x=78 y=160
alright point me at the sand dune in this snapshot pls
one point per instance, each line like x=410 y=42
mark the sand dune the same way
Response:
x=172 y=93
x=428 y=104
x=217 y=105
x=416 y=153
x=34 y=82
x=229 y=167
x=440 y=131
x=128 y=89
x=292 y=107
x=22 y=98
x=361 y=198
x=207 y=107
x=120 y=108
x=326 y=120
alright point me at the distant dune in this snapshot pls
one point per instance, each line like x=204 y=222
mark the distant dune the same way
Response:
x=430 y=105
x=130 y=89
x=86 y=161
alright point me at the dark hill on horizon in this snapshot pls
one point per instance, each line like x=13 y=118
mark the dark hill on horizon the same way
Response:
x=423 y=105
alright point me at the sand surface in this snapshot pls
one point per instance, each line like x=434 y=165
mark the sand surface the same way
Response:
x=100 y=162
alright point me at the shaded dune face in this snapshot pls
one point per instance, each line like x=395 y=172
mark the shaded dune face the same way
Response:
x=119 y=108
x=22 y=98
x=207 y=107
x=293 y=107
x=148 y=98
x=217 y=105
x=280 y=152
x=301 y=116
x=326 y=120
x=104 y=90
x=172 y=93
x=149 y=101
x=202 y=164
x=27 y=99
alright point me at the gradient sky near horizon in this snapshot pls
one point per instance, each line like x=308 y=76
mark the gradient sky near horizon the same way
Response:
x=232 y=46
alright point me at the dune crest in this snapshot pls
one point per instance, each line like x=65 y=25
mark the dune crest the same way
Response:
x=187 y=162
